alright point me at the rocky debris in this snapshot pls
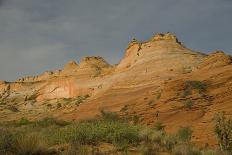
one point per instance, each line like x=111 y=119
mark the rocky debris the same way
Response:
x=215 y=59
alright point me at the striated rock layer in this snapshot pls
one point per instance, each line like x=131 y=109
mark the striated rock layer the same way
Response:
x=154 y=81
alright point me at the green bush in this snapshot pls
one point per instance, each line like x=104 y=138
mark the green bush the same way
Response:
x=23 y=121
x=186 y=93
x=223 y=129
x=169 y=142
x=93 y=132
x=50 y=121
x=109 y=116
x=198 y=85
x=188 y=104
x=184 y=134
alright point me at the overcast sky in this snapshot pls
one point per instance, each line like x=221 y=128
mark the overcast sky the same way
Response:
x=40 y=35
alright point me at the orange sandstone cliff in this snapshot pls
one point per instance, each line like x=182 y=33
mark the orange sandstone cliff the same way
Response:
x=155 y=81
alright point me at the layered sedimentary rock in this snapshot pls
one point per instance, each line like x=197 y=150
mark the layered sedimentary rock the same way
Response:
x=150 y=81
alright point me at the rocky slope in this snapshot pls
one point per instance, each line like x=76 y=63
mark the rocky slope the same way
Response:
x=157 y=80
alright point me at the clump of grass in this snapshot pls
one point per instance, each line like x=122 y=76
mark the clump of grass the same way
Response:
x=31 y=144
x=6 y=141
x=109 y=116
x=23 y=121
x=188 y=104
x=194 y=85
x=185 y=149
x=21 y=144
x=50 y=121
x=184 y=134
x=186 y=93
x=223 y=129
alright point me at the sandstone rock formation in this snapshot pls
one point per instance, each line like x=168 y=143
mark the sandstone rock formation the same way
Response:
x=215 y=59
x=151 y=78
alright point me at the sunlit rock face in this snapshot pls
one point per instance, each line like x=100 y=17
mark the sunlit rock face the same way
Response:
x=93 y=75
x=151 y=77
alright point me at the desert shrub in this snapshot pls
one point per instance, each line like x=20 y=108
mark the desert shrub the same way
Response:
x=23 y=121
x=198 y=85
x=186 y=93
x=109 y=116
x=188 y=104
x=151 y=140
x=159 y=126
x=208 y=152
x=91 y=133
x=50 y=121
x=7 y=140
x=149 y=135
x=169 y=142
x=30 y=144
x=185 y=149
x=184 y=134
x=150 y=149
x=223 y=129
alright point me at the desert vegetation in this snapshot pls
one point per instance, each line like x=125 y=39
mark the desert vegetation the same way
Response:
x=223 y=129
x=108 y=134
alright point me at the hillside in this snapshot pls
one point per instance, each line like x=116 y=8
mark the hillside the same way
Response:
x=157 y=80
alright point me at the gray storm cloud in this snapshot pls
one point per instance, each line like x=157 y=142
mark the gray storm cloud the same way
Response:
x=40 y=35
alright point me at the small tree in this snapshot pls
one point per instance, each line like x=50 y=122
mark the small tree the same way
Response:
x=223 y=129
